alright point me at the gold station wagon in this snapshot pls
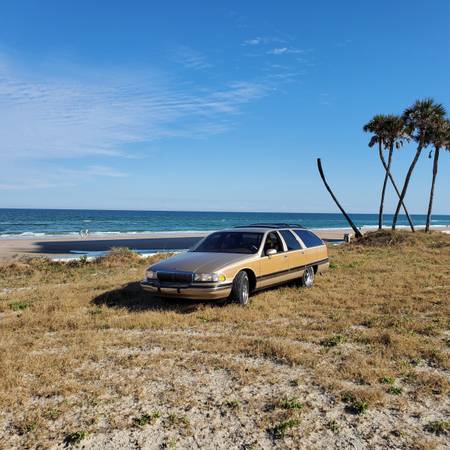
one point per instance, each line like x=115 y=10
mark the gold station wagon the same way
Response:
x=238 y=261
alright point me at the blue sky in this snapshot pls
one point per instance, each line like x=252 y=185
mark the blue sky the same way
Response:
x=213 y=105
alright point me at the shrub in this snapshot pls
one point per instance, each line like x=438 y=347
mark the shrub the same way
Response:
x=279 y=430
x=291 y=403
x=75 y=438
x=332 y=341
x=355 y=405
x=18 y=306
x=438 y=427
x=146 y=419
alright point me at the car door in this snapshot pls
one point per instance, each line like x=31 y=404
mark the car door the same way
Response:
x=315 y=250
x=273 y=268
x=298 y=257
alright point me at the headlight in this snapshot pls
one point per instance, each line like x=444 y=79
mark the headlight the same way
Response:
x=150 y=275
x=211 y=277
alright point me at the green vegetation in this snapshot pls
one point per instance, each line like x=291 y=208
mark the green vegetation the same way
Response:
x=394 y=390
x=18 y=306
x=438 y=427
x=75 y=437
x=146 y=419
x=387 y=380
x=332 y=341
x=176 y=419
x=291 y=403
x=333 y=426
x=354 y=404
x=279 y=430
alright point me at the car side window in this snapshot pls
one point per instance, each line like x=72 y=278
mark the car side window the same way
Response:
x=273 y=240
x=308 y=238
x=291 y=241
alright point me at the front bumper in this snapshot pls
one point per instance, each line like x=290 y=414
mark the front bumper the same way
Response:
x=194 y=292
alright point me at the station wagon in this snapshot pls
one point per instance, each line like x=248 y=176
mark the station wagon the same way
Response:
x=236 y=262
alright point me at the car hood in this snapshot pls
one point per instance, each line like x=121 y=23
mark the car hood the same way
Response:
x=200 y=262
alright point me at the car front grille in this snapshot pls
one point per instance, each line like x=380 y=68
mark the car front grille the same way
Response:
x=175 y=277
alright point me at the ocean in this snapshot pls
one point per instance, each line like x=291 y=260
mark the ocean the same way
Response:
x=42 y=222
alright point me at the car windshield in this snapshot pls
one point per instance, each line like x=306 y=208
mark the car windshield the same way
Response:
x=230 y=242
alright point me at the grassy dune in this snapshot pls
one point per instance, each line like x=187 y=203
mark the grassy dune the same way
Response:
x=362 y=359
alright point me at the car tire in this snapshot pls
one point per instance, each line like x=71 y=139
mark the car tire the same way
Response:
x=308 y=277
x=240 y=292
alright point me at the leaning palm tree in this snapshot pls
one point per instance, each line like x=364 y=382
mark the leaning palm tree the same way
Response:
x=419 y=119
x=357 y=231
x=397 y=191
x=440 y=139
x=388 y=132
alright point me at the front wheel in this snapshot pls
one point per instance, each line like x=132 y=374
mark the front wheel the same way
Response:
x=308 y=277
x=240 y=291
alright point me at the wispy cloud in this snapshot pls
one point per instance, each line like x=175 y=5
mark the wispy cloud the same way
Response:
x=93 y=171
x=60 y=117
x=254 y=41
x=262 y=40
x=191 y=59
x=56 y=177
x=285 y=51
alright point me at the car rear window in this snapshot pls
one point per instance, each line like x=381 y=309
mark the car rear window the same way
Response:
x=230 y=242
x=308 y=238
x=291 y=241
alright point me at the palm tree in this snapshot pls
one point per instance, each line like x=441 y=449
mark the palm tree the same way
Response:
x=394 y=185
x=419 y=119
x=388 y=132
x=357 y=231
x=440 y=139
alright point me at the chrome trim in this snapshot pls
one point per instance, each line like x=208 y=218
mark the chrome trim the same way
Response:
x=158 y=285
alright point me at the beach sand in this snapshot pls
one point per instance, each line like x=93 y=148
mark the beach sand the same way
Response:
x=63 y=246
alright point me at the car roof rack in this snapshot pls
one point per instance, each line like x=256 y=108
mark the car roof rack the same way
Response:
x=271 y=225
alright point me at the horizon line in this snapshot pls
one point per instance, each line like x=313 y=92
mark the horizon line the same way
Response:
x=209 y=211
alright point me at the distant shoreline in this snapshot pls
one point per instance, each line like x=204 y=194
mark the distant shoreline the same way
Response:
x=60 y=246
x=176 y=233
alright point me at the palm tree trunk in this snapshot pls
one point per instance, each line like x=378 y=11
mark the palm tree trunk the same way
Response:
x=383 y=190
x=394 y=185
x=433 y=181
x=405 y=185
x=347 y=217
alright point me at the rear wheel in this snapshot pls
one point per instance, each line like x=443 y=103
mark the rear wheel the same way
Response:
x=240 y=291
x=308 y=277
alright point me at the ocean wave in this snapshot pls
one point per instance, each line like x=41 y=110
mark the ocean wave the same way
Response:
x=36 y=234
x=99 y=233
x=33 y=234
x=93 y=255
x=96 y=233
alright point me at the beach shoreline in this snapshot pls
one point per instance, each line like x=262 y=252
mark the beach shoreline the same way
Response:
x=63 y=246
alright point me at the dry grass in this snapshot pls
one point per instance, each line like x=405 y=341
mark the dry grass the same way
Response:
x=85 y=355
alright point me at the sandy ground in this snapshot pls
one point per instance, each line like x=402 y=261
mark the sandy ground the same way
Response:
x=59 y=246
x=360 y=361
x=63 y=246
x=56 y=246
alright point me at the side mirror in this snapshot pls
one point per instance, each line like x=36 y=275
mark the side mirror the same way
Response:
x=270 y=252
